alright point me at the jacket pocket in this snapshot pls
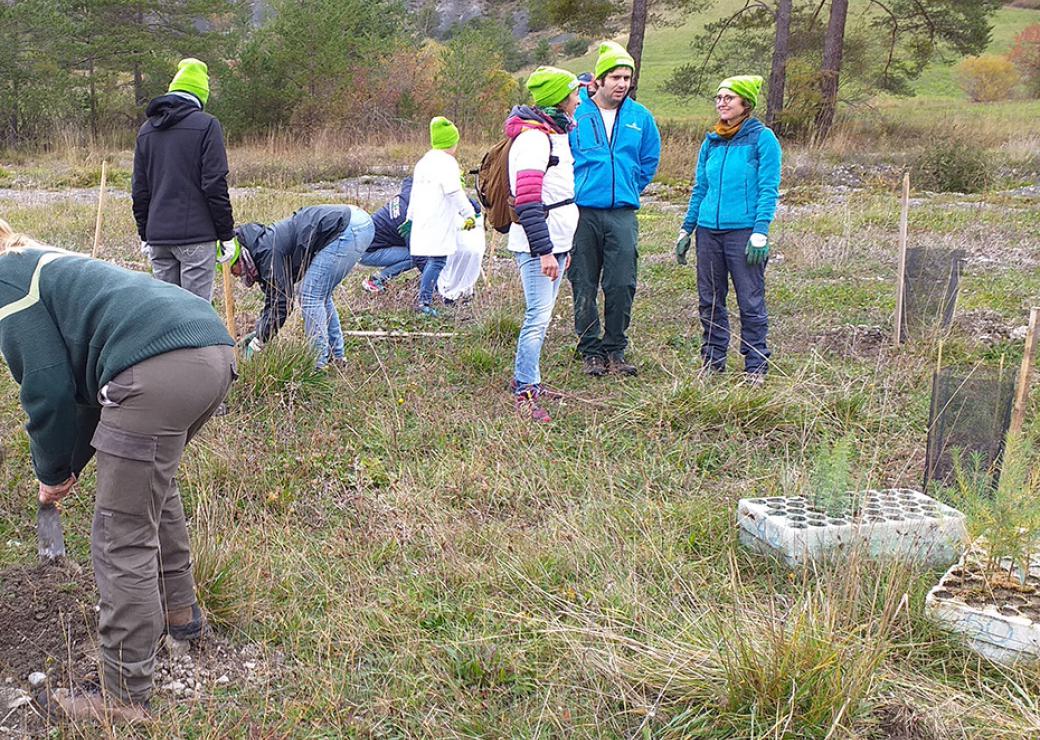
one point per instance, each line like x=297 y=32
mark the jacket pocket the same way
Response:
x=125 y=469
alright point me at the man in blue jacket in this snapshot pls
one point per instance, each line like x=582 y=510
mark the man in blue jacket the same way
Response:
x=616 y=149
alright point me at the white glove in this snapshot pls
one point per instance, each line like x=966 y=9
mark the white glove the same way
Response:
x=228 y=251
x=144 y=247
x=758 y=240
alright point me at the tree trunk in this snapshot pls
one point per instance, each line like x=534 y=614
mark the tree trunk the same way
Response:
x=93 y=103
x=833 y=44
x=139 y=97
x=778 y=73
x=637 y=30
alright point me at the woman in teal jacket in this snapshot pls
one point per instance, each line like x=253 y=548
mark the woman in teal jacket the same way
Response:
x=733 y=202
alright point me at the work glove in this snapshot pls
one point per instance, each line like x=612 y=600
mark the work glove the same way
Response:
x=227 y=251
x=469 y=224
x=144 y=247
x=757 y=249
x=252 y=344
x=405 y=228
x=682 y=246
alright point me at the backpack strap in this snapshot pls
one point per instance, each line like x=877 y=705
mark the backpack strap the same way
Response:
x=553 y=161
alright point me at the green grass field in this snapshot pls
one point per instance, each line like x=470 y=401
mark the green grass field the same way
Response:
x=405 y=557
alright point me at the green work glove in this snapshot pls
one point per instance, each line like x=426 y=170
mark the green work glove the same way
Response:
x=469 y=224
x=405 y=228
x=682 y=246
x=757 y=249
x=252 y=344
x=228 y=252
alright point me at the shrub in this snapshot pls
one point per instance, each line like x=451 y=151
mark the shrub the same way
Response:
x=543 y=52
x=987 y=78
x=1026 y=57
x=952 y=166
x=576 y=47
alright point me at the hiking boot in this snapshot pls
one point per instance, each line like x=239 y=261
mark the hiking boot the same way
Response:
x=755 y=379
x=185 y=624
x=594 y=365
x=428 y=311
x=526 y=403
x=617 y=363
x=544 y=391
x=91 y=706
x=373 y=285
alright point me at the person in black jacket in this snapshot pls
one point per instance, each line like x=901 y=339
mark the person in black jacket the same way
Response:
x=318 y=246
x=180 y=193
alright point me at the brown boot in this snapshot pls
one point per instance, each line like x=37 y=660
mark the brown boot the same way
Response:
x=92 y=707
x=617 y=363
x=184 y=624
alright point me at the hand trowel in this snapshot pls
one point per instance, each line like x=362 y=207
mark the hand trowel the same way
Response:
x=51 y=539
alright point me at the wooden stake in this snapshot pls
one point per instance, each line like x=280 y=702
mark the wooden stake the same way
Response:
x=400 y=334
x=904 y=218
x=1018 y=414
x=229 y=301
x=100 y=210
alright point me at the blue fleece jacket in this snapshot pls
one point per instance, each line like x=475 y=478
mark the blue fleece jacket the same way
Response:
x=613 y=173
x=738 y=181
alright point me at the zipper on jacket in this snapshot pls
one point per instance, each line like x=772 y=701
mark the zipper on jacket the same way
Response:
x=718 y=202
x=613 y=136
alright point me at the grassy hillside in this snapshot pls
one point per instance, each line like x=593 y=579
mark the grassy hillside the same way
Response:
x=668 y=47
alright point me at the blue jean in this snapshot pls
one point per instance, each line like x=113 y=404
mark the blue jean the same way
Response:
x=540 y=296
x=327 y=270
x=720 y=256
x=431 y=270
x=393 y=260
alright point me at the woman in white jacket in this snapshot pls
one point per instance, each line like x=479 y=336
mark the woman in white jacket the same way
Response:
x=541 y=180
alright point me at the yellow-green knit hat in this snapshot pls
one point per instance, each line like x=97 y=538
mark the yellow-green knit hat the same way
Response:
x=612 y=54
x=443 y=134
x=550 y=86
x=746 y=86
x=192 y=77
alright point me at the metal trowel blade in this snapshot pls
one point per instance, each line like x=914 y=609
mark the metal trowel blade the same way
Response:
x=49 y=533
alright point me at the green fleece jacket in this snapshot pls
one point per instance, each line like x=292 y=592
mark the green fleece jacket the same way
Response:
x=68 y=325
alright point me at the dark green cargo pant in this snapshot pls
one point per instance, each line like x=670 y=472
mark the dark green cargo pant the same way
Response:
x=139 y=543
x=605 y=254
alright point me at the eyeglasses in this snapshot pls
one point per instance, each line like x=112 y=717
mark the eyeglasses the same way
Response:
x=727 y=99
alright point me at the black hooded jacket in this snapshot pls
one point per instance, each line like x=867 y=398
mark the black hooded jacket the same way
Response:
x=180 y=193
x=283 y=251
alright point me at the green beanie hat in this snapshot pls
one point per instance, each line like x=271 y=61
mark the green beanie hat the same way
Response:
x=192 y=77
x=612 y=54
x=443 y=134
x=550 y=86
x=746 y=86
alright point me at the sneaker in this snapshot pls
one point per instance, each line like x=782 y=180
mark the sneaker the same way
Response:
x=755 y=379
x=544 y=391
x=526 y=403
x=373 y=284
x=594 y=365
x=617 y=363
x=428 y=311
